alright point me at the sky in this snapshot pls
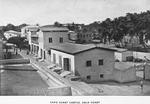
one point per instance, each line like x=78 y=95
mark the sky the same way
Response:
x=46 y=12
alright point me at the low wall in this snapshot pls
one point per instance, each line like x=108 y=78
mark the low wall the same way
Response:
x=57 y=91
x=127 y=75
x=21 y=68
x=14 y=61
x=60 y=81
x=141 y=55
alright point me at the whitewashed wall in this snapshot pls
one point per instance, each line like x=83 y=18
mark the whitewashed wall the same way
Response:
x=64 y=55
x=141 y=55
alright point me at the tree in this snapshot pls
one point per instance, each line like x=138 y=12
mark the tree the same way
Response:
x=57 y=24
x=17 y=40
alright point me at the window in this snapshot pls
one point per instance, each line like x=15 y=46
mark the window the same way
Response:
x=101 y=75
x=88 y=77
x=61 y=40
x=83 y=36
x=69 y=37
x=87 y=35
x=50 y=40
x=101 y=62
x=88 y=63
x=49 y=52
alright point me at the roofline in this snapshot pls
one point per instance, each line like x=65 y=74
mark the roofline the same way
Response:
x=121 y=51
x=54 y=30
x=84 y=50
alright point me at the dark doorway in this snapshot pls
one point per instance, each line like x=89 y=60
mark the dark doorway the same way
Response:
x=29 y=47
x=37 y=49
x=41 y=53
x=44 y=55
x=66 y=64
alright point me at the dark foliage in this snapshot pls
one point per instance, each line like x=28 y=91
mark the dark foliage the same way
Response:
x=132 y=24
x=19 y=41
x=12 y=27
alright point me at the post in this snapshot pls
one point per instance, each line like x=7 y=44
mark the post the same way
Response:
x=141 y=86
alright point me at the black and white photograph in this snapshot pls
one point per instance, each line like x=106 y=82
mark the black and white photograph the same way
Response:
x=75 y=48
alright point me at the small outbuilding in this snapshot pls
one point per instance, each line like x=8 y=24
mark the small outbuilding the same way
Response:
x=124 y=72
x=90 y=62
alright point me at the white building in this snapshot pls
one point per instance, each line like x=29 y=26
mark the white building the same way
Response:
x=11 y=33
x=89 y=62
x=25 y=31
x=30 y=32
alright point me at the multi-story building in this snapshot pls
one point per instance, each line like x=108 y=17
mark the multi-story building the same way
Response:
x=84 y=37
x=50 y=35
x=25 y=31
x=30 y=32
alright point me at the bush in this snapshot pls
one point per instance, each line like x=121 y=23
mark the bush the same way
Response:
x=138 y=60
x=130 y=58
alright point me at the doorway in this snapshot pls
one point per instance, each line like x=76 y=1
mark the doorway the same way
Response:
x=44 y=55
x=66 y=64
x=41 y=53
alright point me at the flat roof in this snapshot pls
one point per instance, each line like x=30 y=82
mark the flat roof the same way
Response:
x=72 y=48
x=31 y=27
x=53 y=28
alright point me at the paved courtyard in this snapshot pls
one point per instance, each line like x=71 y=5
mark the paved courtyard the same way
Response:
x=21 y=82
x=124 y=89
x=18 y=82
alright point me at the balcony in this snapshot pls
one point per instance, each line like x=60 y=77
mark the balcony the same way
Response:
x=35 y=41
x=35 y=35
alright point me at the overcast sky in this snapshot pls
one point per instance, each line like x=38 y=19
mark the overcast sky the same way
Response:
x=66 y=11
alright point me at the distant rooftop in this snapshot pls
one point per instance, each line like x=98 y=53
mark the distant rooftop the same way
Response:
x=53 y=28
x=72 y=48
x=31 y=27
x=14 y=32
x=112 y=46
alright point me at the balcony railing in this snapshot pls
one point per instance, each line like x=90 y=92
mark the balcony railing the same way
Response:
x=35 y=41
x=35 y=35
